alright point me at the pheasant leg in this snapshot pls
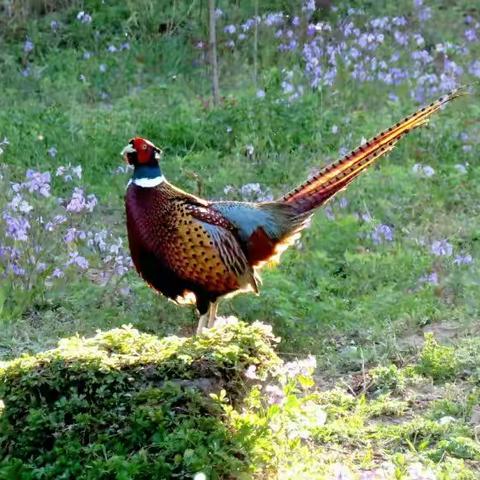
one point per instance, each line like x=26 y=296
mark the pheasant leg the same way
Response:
x=212 y=314
x=202 y=322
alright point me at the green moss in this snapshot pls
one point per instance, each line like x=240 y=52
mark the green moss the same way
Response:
x=437 y=361
x=460 y=447
x=387 y=379
x=127 y=403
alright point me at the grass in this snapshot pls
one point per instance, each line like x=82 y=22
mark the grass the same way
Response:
x=353 y=303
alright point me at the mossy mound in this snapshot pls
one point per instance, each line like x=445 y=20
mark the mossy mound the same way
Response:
x=127 y=405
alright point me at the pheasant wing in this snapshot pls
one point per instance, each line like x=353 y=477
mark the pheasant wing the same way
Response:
x=208 y=252
x=265 y=229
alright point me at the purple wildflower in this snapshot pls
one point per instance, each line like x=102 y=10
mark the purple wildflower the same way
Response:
x=308 y=6
x=54 y=25
x=52 y=151
x=442 y=248
x=28 y=46
x=471 y=35
x=18 y=204
x=16 y=227
x=98 y=240
x=41 y=267
x=57 y=273
x=431 y=278
x=419 y=40
x=425 y=14
x=11 y=253
x=102 y=67
x=253 y=191
x=38 y=182
x=275 y=394
x=77 y=171
x=84 y=17
x=399 y=21
x=366 y=217
x=70 y=235
x=78 y=260
x=17 y=270
x=260 y=93
x=329 y=212
x=463 y=259
x=382 y=233
x=249 y=23
x=311 y=30
x=57 y=220
x=274 y=18
x=424 y=170
x=474 y=68
x=230 y=29
x=122 y=265
x=78 y=202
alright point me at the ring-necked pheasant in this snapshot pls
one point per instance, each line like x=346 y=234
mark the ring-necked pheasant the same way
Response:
x=181 y=244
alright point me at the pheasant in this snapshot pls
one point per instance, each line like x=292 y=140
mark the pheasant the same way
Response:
x=182 y=244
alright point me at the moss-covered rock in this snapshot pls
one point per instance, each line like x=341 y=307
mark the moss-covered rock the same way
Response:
x=124 y=404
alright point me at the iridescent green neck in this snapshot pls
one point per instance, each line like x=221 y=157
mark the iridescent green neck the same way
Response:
x=146 y=171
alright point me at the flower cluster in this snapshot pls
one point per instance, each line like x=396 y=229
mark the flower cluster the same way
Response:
x=84 y=17
x=46 y=238
x=362 y=48
x=250 y=192
x=443 y=248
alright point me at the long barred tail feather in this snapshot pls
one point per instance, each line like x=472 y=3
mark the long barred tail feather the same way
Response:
x=335 y=177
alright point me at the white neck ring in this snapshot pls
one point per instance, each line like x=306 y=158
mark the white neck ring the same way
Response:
x=148 y=182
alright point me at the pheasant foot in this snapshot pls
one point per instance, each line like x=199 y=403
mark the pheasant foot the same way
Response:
x=207 y=320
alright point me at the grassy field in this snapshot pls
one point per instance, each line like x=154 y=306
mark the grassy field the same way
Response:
x=394 y=257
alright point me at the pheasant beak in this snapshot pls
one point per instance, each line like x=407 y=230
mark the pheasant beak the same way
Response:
x=128 y=149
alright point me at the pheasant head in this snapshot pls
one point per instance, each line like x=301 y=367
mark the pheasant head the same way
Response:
x=144 y=156
x=141 y=151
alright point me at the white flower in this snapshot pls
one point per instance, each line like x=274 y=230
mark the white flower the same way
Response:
x=251 y=372
x=423 y=170
x=340 y=472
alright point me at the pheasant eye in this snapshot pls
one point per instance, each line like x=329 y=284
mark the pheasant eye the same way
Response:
x=144 y=146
